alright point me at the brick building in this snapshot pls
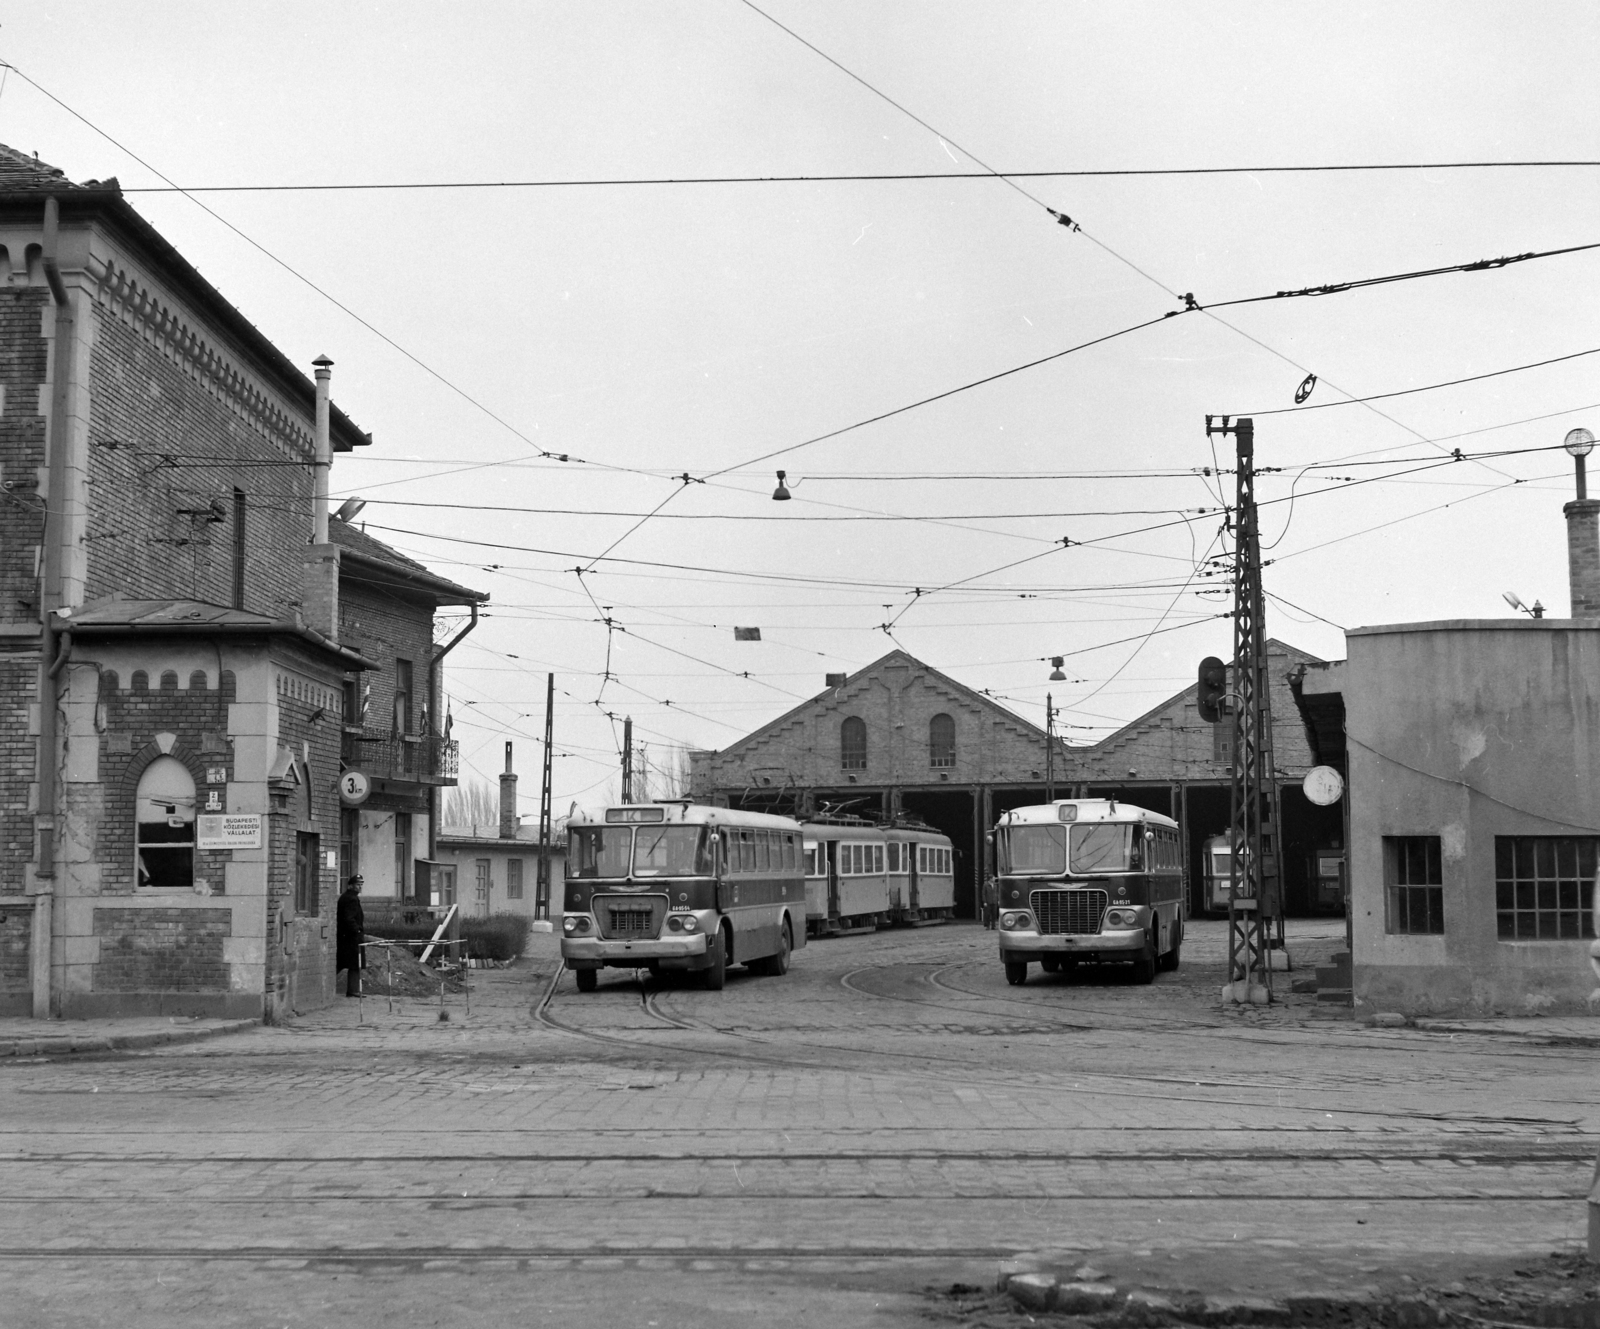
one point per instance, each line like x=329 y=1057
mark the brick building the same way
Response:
x=391 y=714
x=172 y=679
x=899 y=737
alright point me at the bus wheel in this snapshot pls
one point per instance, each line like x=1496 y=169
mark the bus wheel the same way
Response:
x=715 y=976
x=1170 y=960
x=779 y=964
x=1144 y=968
x=1016 y=972
x=587 y=979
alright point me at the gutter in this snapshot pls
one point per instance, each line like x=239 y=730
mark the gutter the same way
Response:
x=433 y=721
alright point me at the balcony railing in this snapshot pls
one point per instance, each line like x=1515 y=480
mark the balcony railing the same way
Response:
x=424 y=759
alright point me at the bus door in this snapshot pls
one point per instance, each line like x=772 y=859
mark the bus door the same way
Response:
x=833 y=881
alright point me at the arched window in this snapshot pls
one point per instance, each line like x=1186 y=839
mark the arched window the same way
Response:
x=164 y=824
x=941 y=741
x=853 y=744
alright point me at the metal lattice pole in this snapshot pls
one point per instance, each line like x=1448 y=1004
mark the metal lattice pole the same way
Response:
x=1253 y=907
x=541 y=896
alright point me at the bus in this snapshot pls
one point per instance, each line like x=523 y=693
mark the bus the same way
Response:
x=1088 y=880
x=860 y=874
x=676 y=886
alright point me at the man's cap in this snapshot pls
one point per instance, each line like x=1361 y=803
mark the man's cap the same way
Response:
x=356 y=880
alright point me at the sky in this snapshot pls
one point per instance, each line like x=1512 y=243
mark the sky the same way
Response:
x=668 y=339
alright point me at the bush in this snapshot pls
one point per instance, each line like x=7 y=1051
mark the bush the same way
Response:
x=499 y=937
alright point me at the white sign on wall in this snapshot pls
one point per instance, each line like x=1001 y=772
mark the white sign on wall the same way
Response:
x=230 y=831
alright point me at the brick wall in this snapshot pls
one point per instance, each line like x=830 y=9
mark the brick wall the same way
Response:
x=19 y=675
x=16 y=926
x=22 y=449
x=135 y=711
x=162 y=950
x=22 y=459
x=383 y=625
x=160 y=418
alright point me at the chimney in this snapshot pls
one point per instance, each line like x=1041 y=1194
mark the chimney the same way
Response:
x=508 y=801
x=319 y=564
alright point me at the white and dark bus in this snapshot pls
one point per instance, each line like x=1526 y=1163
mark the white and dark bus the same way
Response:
x=682 y=887
x=1088 y=880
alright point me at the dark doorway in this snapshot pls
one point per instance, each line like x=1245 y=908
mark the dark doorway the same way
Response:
x=951 y=812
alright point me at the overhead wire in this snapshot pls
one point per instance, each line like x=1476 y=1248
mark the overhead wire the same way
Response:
x=859 y=176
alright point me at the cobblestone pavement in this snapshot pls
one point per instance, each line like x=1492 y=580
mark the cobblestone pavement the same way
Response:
x=819 y=1147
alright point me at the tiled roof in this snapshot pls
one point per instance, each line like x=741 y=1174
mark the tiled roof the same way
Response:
x=356 y=540
x=116 y=612
x=366 y=547
x=20 y=171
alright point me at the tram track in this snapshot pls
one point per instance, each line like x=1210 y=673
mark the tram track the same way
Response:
x=1090 y=1084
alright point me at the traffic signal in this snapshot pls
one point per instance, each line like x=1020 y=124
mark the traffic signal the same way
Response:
x=1213 y=688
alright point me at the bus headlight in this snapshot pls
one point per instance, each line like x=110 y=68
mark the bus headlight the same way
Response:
x=1122 y=918
x=573 y=923
x=691 y=923
x=682 y=923
x=1013 y=922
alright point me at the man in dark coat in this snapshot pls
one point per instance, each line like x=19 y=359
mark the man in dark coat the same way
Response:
x=351 y=928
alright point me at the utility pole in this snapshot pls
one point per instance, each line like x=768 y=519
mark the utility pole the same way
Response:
x=1254 y=903
x=541 y=895
x=1049 y=749
x=627 y=760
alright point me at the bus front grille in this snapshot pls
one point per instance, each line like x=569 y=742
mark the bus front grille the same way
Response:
x=1068 y=911
x=631 y=917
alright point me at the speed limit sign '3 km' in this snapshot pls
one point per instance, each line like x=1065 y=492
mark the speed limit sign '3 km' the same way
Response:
x=354 y=788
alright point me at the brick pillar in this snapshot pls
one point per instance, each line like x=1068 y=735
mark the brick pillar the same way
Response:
x=1583 y=556
x=319 y=570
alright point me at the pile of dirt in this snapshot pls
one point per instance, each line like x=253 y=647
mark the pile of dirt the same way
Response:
x=394 y=971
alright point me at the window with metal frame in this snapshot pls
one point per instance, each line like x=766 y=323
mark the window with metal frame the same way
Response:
x=941 y=741
x=1413 y=872
x=853 y=744
x=164 y=812
x=513 y=878
x=1543 y=886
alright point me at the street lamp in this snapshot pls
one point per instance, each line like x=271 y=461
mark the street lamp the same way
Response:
x=1579 y=443
x=1056 y=676
x=781 y=493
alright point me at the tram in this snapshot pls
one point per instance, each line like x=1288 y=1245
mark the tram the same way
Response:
x=1089 y=880
x=1217 y=857
x=860 y=874
x=677 y=886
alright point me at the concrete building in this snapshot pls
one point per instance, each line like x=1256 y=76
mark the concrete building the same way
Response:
x=498 y=873
x=900 y=737
x=173 y=681
x=1473 y=750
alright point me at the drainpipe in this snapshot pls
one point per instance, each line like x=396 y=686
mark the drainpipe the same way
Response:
x=433 y=723
x=54 y=643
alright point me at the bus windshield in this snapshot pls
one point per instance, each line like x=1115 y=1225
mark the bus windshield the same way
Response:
x=599 y=851
x=1095 y=847
x=1034 y=849
x=1106 y=847
x=670 y=851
